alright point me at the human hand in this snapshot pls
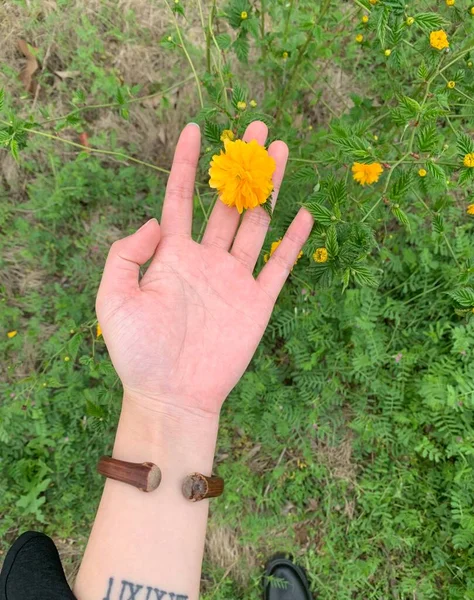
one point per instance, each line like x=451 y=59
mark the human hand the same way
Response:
x=183 y=335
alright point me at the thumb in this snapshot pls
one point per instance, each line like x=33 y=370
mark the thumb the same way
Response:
x=122 y=267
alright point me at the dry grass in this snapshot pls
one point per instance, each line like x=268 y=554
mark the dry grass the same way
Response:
x=224 y=551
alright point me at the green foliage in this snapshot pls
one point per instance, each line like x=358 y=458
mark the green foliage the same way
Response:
x=349 y=441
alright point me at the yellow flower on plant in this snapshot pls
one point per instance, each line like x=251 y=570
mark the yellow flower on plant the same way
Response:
x=366 y=173
x=472 y=11
x=243 y=15
x=422 y=172
x=359 y=38
x=439 y=39
x=373 y=1
x=450 y=2
x=242 y=174
x=67 y=358
x=365 y=19
x=451 y=84
x=98 y=332
x=470 y=209
x=469 y=160
x=387 y=52
x=227 y=134
x=321 y=255
x=253 y=103
x=12 y=334
x=285 y=55
x=410 y=20
x=241 y=105
x=273 y=247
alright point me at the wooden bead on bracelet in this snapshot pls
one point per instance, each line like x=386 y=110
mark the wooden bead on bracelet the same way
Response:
x=198 y=487
x=144 y=476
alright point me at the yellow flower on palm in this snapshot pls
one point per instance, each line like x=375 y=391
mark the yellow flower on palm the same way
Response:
x=470 y=209
x=366 y=173
x=242 y=174
x=273 y=247
x=469 y=160
x=227 y=134
x=321 y=255
x=439 y=39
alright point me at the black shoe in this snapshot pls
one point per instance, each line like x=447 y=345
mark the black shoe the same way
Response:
x=290 y=582
x=32 y=571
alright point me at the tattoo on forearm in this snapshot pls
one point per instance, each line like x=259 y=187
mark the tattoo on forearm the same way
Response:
x=127 y=590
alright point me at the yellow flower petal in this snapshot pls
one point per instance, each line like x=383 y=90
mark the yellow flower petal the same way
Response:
x=242 y=174
x=227 y=134
x=366 y=173
x=321 y=255
x=439 y=39
x=469 y=160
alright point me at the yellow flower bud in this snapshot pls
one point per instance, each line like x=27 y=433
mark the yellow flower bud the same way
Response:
x=365 y=19
x=359 y=38
x=422 y=173
x=253 y=103
x=285 y=55
x=387 y=52
x=243 y=15
x=67 y=359
x=241 y=105
x=451 y=84
x=410 y=20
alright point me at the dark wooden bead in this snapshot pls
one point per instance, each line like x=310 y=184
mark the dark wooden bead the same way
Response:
x=197 y=487
x=144 y=476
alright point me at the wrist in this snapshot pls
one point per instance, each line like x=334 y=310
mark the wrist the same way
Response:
x=176 y=438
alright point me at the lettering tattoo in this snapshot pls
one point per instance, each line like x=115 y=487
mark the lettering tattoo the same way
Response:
x=127 y=590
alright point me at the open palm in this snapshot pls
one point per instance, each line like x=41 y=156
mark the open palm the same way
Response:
x=184 y=334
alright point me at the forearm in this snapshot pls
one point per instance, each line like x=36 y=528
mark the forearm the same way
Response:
x=149 y=546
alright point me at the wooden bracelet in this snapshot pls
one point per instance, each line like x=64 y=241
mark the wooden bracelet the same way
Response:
x=144 y=476
x=197 y=487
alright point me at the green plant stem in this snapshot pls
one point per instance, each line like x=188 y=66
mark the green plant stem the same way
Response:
x=362 y=6
x=301 y=53
x=186 y=53
x=287 y=21
x=117 y=104
x=207 y=35
x=444 y=236
x=205 y=214
x=212 y=13
x=262 y=37
x=98 y=150
x=299 y=58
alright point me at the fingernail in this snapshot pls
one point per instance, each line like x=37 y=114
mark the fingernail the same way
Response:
x=192 y=123
x=147 y=223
